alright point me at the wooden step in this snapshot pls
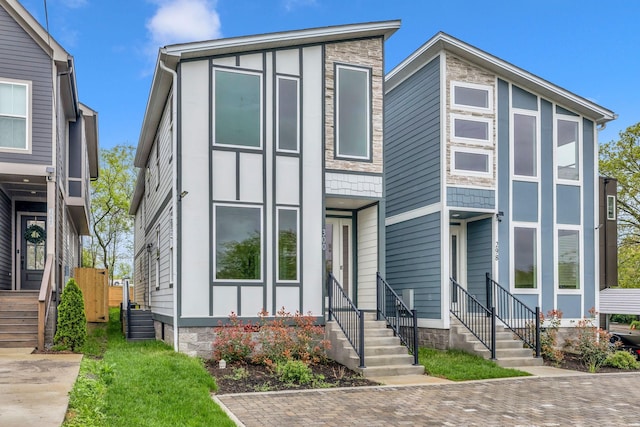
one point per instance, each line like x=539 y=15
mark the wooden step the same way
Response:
x=19 y=314
x=18 y=327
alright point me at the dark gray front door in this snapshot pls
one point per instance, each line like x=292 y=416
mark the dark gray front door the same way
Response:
x=32 y=254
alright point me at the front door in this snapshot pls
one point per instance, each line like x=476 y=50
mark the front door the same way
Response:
x=32 y=253
x=338 y=251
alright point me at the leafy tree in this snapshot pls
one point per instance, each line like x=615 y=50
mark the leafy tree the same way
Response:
x=240 y=260
x=621 y=160
x=72 y=322
x=110 y=244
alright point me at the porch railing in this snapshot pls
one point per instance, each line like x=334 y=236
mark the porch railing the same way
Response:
x=516 y=315
x=478 y=319
x=399 y=317
x=44 y=300
x=347 y=316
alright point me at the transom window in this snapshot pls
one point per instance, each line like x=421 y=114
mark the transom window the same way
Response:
x=468 y=129
x=525 y=258
x=238 y=242
x=353 y=112
x=237 y=108
x=14 y=105
x=288 y=114
x=525 y=142
x=471 y=162
x=469 y=96
x=568 y=149
x=568 y=259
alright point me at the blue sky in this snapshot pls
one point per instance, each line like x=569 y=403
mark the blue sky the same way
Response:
x=589 y=47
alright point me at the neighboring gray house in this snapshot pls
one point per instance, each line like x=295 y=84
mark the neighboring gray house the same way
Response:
x=488 y=169
x=48 y=154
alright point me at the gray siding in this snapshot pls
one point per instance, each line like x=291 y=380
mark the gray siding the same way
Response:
x=22 y=59
x=413 y=262
x=412 y=141
x=525 y=201
x=546 y=214
x=479 y=252
x=590 y=288
x=5 y=239
x=471 y=198
x=503 y=180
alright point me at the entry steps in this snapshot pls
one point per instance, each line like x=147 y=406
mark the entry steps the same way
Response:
x=18 y=319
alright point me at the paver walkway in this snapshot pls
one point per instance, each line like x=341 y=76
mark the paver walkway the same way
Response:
x=579 y=400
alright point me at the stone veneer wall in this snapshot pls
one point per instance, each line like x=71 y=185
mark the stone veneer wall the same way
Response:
x=461 y=71
x=363 y=53
x=433 y=338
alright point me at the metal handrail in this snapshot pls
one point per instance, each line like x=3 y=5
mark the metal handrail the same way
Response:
x=478 y=319
x=516 y=315
x=347 y=316
x=399 y=317
x=44 y=300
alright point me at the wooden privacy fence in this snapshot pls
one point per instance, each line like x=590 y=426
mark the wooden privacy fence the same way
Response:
x=115 y=295
x=94 y=284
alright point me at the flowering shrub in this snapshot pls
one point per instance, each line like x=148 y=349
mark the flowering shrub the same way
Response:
x=593 y=343
x=549 y=337
x=233 y=341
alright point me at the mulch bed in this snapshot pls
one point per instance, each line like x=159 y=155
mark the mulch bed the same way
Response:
x=260 y=378
x=572 y=362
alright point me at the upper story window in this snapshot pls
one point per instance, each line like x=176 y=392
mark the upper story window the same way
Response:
x=237 y=108
x=469 y=96
x=467 y=161
x=525 y=145
x=471 y=129
x=611 y=208
x=568 y=149
x=287 y=125
x=14 y=107
x=353 y=112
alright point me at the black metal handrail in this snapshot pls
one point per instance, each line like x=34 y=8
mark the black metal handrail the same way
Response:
x=516 y=315
x=399 y=317
x=478 y=319
x=347 y=316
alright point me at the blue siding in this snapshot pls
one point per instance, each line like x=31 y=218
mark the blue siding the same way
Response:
x=523 y=99
x=546 y=194
x=471 y=198
x=530 y=300
x=525 y=201
x=570 y=306
x=5 y=238
x=412 y=141
x=22 y=59
x=413 y=251
x=479 y=253
x=590 y=287
x=568 y=207
x=503 y=181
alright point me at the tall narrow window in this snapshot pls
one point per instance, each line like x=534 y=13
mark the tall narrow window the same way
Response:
x=353 y=112
x=158 y=257
x=238 y=106
x=611 y=208
x=524 y=145
x=568 y=259
x=238 y=243
x=525 y=258
x=157 y=163
x=567 y=155
x=13 y=115
x=171 y=248
x=287 y=244
x=288 y=115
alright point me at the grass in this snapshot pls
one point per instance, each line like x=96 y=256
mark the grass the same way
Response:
x=457 y=365
x=140 y=384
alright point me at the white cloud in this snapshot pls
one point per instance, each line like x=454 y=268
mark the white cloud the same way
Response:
x=289 y=5
x=179 y=21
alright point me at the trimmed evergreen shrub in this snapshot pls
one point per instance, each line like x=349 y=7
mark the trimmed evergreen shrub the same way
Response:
x=72 y=322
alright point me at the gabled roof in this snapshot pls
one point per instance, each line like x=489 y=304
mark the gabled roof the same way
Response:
x=501 y=68
x=171 y=55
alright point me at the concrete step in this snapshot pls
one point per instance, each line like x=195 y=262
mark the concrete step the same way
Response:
x=384 y=350
x=378 y=332
x=391 y=370
x=513 y=362
x=387 y=360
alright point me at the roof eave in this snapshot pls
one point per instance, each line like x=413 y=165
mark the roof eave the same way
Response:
x=137 y=193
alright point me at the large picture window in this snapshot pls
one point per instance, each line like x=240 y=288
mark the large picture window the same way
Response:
x=13 y=115
x=568 y=259
x=567 y=154
x=238 y=242
x=287 y=244
x=353 y=112
x=525 y=257
x=525 y=145
x=237 y=106
x=288 y=116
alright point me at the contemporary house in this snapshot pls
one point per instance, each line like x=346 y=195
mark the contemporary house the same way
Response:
x=489 y=169
x=48 y=155
x=261 y=171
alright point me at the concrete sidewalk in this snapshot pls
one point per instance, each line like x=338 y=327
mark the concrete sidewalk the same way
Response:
x=34 y=388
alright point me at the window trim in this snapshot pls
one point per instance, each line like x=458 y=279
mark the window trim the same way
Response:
x=277 y=113
x=512 y=166
x=369 y=102
x=455 y=171
x=483 y=142
x=277 y=251
x=614 y=216
x=556 y=253
x=213 y=108
x=564 y=181
x=512 y=256
x=28 y=118
x=214 y=243
x=157 y=142
x=464 y=107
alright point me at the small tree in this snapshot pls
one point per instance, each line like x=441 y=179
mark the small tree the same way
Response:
x=72 y=322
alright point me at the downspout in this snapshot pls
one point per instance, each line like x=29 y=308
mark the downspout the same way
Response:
x=174 y=199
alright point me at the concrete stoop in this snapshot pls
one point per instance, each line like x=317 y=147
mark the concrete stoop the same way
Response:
x=510 y=350
x=384 y=355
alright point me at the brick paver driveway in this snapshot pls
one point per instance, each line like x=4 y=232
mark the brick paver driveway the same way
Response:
x=587 y=400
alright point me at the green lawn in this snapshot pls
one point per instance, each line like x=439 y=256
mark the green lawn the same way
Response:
x=140 y=384
x=458 y=365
